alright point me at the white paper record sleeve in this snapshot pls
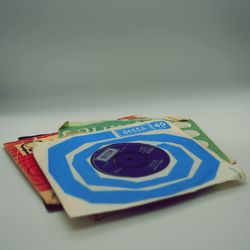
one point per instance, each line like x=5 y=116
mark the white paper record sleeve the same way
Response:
x=129 y=166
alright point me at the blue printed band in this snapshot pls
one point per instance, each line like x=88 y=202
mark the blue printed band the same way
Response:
x=139 y=129
x=60 y=170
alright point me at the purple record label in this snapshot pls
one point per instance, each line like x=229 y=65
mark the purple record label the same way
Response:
x=130 y=160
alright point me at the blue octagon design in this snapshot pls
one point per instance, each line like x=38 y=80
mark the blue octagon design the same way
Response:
x=91 y=177
x=60 y=171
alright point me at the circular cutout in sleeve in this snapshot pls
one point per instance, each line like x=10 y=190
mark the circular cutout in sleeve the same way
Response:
x=130 y=160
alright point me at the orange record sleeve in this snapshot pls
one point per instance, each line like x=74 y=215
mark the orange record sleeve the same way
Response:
x=21 y=152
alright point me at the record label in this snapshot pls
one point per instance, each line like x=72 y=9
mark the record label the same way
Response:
x=130 y=160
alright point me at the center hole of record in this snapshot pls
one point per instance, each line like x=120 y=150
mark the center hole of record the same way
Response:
x=130 y=159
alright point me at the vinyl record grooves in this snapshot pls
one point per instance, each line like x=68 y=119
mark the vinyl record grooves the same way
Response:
x=130 y=160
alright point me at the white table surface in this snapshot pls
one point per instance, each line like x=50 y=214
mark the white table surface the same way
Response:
x=218 y=218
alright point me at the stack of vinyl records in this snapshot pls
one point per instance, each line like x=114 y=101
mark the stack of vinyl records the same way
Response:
x=98 y=167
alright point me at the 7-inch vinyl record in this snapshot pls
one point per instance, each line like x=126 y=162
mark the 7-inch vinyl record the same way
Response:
x=130 y=159
x=129 y=166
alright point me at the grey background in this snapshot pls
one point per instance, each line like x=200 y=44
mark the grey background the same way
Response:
x=85 y=60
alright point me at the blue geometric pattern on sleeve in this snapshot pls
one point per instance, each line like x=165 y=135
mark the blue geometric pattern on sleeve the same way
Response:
x=91 y=177
x=133 y=191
